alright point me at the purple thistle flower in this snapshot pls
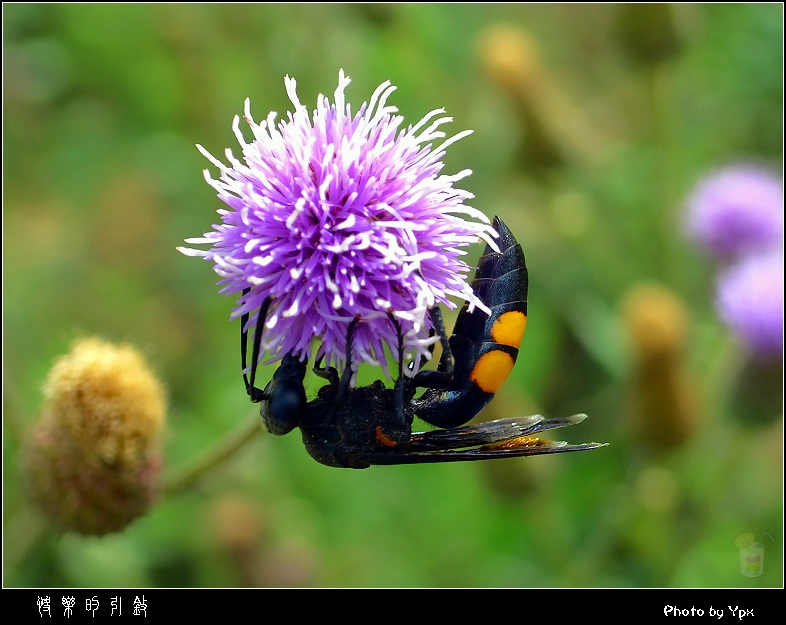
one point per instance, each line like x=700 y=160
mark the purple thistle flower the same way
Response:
x=339 y=216
x=750 y=302
x=736 y=210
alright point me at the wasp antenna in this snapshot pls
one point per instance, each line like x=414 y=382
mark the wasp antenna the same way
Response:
x=256 y=394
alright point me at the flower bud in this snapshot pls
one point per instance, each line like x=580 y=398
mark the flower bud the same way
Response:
x=91 y=461
x=663 y=402
x=511 y=60
x=555 y=131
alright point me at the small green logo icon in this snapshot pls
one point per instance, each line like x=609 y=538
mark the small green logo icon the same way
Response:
x=751 y=554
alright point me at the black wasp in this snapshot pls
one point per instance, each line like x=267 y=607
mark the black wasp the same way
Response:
x=372 y=425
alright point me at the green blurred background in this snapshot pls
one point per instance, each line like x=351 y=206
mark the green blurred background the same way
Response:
x=592 y=123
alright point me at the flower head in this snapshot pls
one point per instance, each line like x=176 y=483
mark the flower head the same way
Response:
x=108 y=400
x=335 y=216
x=737 y=210
x=91 y=461
x=750 y=302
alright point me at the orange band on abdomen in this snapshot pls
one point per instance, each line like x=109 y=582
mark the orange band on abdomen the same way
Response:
x=508 y=329
x=491 y=370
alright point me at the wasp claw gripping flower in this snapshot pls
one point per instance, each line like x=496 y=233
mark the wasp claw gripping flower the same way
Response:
x=333 y=216
x=91 y=461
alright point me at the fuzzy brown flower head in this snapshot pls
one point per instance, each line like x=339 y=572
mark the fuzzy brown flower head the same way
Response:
x=91 y=461
x=79 y=493
x=108 y=401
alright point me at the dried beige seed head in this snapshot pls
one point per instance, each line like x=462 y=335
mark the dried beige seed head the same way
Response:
x=91 y=461
x=108 y=400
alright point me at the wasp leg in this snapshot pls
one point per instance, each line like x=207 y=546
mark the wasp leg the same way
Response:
x=330 y=374
x=326 y=373
x=401 y=384
x=443 y=375
x=254 y=393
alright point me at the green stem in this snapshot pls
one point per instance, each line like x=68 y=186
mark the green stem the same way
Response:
x=225 y=449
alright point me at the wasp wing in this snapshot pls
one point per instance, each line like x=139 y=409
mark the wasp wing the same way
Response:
x=503 y=438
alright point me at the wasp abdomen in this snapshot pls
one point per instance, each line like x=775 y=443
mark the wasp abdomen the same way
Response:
x=484 y=346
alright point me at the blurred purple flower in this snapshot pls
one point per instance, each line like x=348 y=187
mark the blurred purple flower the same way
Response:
x=342 y=216
x=736 y=210
x=750 y=302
